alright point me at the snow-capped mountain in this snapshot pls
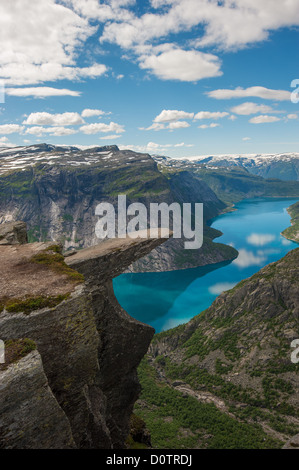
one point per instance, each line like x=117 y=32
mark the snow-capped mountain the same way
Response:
x=283 y=166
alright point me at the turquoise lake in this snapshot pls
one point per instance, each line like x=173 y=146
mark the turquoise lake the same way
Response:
x=165 y=300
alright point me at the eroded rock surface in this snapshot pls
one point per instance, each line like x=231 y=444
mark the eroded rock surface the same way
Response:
x=89 y=348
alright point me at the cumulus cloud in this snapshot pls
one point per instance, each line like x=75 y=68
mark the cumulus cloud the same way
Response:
x=40 y=92
x=252 y=92
x=153 y=147
x=11 y=129
x=227 y=24
x=53 y=131
x=292 y=116
x=264 y=119
x=178 y=125
x=209 y=126
x=86 y=113
x=182 y=65
x=47 y=119
x=4 y=142
x=95 y=128
x=245 y=109
x=111 y=137
x=45 y=49
x=210 y=115
x=171 y=115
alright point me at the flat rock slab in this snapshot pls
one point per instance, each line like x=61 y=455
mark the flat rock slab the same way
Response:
x=20 y=278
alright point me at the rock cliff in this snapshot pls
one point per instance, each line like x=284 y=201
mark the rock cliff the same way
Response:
x=231 y=363
x=56 y=190
x=78 y=388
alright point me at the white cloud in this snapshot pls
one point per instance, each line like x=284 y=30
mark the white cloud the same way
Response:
x=47 y=119
x=101 y=127
x=39 y=42
x=152 y=147
x=111 y=137
x=11 y=129
x=245 y=109
x=4 y=142
x=154 y=127
x=91 y=112
x=260 y=239
x=292 y=116
x=53 y=131
x=178 y=64
x=210 y=115
x=171 y=115
x=246 y=139
x=252 y=92
x=178 y=125
x=247 y=258
x=264 y=119
x=209 y=126
x=228 y=24
x=40 y=92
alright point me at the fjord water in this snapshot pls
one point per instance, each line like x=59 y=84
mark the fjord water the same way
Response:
x=165 y=300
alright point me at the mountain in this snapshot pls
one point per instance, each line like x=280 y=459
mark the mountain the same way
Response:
x=230 y=181
x=55 y=190
x=225 y=379
x=270 y=166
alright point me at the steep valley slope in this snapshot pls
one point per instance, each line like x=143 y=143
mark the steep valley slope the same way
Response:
x=226 y=379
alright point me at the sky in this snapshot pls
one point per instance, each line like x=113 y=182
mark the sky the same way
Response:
x=171 y=77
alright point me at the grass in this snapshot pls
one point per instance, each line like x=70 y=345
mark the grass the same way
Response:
x=16 y=349
x=30 y=304
x=53 y=258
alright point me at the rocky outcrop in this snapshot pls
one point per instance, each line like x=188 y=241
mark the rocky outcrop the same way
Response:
x=30 y=415
x=14 y=233
x=292 y=443
x=89 y=348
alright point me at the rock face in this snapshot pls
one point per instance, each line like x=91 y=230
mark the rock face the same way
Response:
x=30 y=415
x=238 y=354
x=14 y=233
x=56 y=190
x=88 y=352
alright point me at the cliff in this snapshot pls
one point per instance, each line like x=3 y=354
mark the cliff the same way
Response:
x=230 y=365
x=77 y=385
x=56 y=190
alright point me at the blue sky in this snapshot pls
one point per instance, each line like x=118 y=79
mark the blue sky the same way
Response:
x=173 y=77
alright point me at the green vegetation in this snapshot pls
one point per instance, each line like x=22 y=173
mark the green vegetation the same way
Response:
x=53 y=258
x=292 y=233
x=16 y=349
x=179 y=422
x=234 y=184
x=30 y=304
